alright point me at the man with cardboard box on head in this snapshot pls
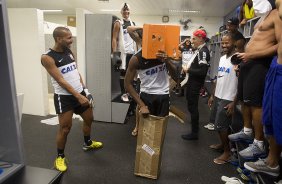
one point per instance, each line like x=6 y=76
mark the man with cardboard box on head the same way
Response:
x=197 y=70
x=153 y=104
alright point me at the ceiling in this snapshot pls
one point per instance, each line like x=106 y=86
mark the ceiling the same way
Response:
x=208 y=8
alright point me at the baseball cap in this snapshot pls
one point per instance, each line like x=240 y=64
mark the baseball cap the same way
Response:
x=234 y=21
x=200 y=33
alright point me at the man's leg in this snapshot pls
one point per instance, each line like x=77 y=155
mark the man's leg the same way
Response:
x=246 y=134
x=225 y=156
x=89 y=144
x=65 y=123
x=257 y=149
x=274 y=153
x=193 y=89
x=257 y=123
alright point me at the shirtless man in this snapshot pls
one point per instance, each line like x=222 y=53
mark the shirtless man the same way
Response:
x=256 y=61
x=272 y=110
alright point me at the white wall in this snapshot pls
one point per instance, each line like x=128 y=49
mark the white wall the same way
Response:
x=211 y=24
x=80 y=24
x=27 y=40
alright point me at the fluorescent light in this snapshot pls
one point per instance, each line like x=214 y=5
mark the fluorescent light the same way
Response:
x=184 y=11
x=52 y=10
x=110 y=10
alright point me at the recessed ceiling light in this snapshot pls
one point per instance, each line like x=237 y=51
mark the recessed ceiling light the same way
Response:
x=110 y=10
x=184 y=11
x=52 y=10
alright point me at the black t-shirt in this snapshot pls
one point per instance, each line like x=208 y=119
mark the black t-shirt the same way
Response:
x=199 y=67
x=238 y=36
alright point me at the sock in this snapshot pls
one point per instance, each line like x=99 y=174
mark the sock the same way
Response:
x=61 y=153
x=87 y=140
x=259 y=143
x=248 y=131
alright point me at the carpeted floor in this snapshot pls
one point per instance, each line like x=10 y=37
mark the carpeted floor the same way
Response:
x=183 y=162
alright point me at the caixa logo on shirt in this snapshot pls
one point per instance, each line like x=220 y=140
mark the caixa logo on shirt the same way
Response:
x=154 y=70
x=68 y=68
x=223 y=69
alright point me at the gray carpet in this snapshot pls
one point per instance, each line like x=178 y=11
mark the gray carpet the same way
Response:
x=183 y=162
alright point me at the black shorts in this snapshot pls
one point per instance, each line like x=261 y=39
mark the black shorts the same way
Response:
x=64 y=103
x=251 y=81
x=158 y=105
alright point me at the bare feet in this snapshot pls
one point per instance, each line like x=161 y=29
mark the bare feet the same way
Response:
x=222 y=159
x=217 y=147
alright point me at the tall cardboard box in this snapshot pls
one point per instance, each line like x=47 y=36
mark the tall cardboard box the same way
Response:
x=151 y=134
x=160 y=37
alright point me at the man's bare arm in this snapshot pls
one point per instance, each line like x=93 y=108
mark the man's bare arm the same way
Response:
x=134 y=35
x=129 y=77
x=115 y=35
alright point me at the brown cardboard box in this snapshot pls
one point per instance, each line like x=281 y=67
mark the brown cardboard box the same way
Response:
x=151 y=134
x=160 y=37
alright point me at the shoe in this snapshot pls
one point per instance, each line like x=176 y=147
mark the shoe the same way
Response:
x=253 y=152
x=261 y=166
x=209 y=126
x=124 y=97
x=191 y=136
x=60 y=164
x=231 y=180
x=94 y=145
x=241 y=136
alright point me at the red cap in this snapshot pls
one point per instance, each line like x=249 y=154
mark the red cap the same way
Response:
x=200 y=33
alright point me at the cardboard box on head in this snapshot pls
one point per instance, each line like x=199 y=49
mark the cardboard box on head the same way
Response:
x=160 y=37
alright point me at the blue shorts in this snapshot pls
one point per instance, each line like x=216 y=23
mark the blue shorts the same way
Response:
x=272 y=102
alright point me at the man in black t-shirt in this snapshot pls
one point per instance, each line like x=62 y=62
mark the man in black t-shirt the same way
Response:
x=232 y=27
x=197 y=71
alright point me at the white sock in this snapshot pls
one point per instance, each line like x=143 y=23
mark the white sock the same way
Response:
x=260 y=144
x=248 y=131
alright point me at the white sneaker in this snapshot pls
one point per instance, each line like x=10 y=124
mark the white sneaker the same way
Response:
x=124 y=97
x=209 y=126
x=231 y=180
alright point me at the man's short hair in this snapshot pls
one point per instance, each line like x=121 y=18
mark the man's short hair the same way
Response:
x=233 y=21
x=125 y=6
x=59 y=32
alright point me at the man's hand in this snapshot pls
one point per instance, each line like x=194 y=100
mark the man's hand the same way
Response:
x=243 y=56
x=210 y=101
x=83 y=100
x=229 y=108
x=162 y=56
x=89 y=97
x=144 y=111
x=116 y=60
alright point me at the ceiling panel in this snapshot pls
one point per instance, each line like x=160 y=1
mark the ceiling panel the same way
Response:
x=138 y=7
